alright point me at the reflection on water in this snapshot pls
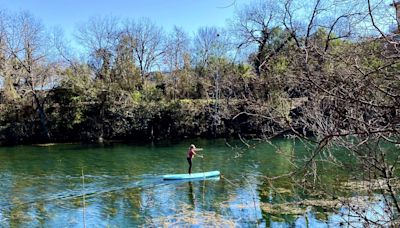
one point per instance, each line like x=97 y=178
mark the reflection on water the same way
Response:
x=42 y=186
x=192 y=196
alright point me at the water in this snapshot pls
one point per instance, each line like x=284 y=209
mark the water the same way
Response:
x=42 y=186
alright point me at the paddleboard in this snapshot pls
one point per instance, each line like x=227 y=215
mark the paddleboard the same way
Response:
x=191 y=176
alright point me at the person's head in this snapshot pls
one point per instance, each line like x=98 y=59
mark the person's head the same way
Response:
x=192 y=146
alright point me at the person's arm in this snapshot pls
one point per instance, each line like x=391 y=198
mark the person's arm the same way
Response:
x=198 y=149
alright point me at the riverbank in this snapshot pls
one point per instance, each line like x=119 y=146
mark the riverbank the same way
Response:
x=71 y=121
x=123 y=185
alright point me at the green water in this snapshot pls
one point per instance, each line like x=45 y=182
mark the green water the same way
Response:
x=42 y=186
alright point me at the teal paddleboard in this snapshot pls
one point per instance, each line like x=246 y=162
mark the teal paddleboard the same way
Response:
x=191 y=176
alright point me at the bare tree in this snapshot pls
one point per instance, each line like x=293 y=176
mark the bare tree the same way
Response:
x=64 y=52
x=148 y=40
x=28 y=48
x=100 y=36
x=351 y=98
x=125 y=70
x=177 y=48
x=209 y=43
x=211 y=51
x=255 y=25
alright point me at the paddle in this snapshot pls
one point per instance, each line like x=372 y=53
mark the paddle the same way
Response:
x=199 y=155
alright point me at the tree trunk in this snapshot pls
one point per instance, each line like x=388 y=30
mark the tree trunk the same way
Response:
x=42 y=117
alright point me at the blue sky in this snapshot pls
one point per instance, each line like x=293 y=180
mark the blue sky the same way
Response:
x=189 y=14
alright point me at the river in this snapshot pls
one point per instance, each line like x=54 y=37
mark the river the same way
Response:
x=123 y=187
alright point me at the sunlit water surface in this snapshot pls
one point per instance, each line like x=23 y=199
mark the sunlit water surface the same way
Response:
x=123 y=186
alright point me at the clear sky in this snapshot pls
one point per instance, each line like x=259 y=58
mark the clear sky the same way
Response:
x=189 y=14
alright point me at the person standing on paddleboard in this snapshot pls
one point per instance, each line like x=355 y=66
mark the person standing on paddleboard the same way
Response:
x=190 y=154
